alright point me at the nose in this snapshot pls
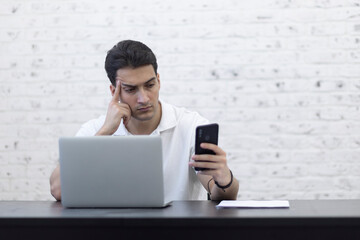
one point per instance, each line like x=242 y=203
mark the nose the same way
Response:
x=142 y=96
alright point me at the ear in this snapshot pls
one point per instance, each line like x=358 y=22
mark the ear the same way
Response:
x=112 y=90
x=158 y=78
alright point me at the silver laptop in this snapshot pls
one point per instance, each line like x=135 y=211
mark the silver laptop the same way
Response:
x=108 y=171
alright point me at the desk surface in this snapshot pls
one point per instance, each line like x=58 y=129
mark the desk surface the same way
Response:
x=183 y=209
x=330 y=218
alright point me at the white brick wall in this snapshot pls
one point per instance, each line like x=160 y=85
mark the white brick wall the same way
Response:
x=282 y=77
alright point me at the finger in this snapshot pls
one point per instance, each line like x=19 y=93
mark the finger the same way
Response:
x=206 y=158
x=205 y=165
x=209 y=172
x=116 y=96
x=215 y=148
x=127 y=116
x=125 y=111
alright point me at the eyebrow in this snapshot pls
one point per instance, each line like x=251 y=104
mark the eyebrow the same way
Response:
x=130 y=86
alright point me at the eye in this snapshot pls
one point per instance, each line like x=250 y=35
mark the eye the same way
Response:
x=150 y=85
x=130 y=90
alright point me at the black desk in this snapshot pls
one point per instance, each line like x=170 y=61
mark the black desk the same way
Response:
x=326 y=219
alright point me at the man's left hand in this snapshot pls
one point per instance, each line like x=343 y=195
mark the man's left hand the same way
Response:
x=216 y=165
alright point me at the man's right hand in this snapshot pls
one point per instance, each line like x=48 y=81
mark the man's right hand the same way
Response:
x=116 y=111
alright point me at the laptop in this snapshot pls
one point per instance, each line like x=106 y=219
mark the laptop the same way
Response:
x=109 y=171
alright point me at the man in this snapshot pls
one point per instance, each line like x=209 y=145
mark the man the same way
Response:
x=135 y=109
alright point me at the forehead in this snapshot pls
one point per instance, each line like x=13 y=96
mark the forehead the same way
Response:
x=135 y=76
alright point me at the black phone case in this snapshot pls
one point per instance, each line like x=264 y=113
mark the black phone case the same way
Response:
x=206 y=134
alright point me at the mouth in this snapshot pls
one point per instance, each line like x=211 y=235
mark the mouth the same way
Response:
x=144 y=109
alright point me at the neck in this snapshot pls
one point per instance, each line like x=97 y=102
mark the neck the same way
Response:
x=137 y=127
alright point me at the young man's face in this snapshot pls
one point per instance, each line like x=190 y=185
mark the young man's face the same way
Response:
x=140 y=90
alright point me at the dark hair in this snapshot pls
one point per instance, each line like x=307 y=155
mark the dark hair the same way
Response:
x=128 y=53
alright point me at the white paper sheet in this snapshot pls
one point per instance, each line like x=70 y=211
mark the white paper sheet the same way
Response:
x=254 y=204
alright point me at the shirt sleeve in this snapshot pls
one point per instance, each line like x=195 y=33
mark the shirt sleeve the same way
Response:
x=199 y=120
x=91 y=127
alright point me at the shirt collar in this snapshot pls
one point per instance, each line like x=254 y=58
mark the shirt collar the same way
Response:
x=167 y=121
x=168 y=117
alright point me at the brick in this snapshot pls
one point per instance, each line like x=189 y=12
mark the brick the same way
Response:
x=324 y=57
x=8 y=35
x=63 y=20
x=13 y=171
x=306 y=15
x=31 y=156
x=328 y=29
x=344 y=42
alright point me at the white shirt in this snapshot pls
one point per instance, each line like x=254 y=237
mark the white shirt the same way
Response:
x=177 y=130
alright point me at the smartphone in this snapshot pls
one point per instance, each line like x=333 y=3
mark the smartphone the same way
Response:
x=206 y=134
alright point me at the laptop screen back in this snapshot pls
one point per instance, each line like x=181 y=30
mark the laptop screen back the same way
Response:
x=108 y=171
